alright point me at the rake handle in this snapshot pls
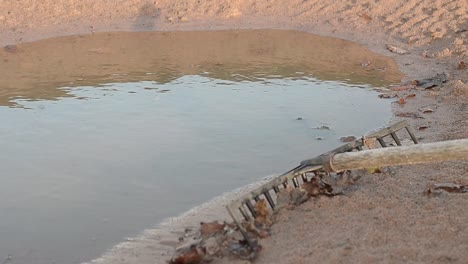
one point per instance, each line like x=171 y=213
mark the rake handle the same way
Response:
x=405 y=155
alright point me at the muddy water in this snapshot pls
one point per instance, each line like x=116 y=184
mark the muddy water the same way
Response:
x=104 y=135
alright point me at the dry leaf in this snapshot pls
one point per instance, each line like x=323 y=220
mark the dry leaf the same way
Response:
x=365 y=16
x=312 y=187
x=192 y=255
x=209 y=229
x=461 y=65
x=428 y=83
x=422 y=127
x=261 y=208
x=426 y=110
x=374 y=170
x=397 y=50
x=365 y=64
x=262 y=219
x=370 y=143
x=401 y=101
x=411 y=95
x=448 y=187
x=408 y=114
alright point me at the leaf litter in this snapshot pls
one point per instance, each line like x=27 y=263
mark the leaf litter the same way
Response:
x=217 y=240
x=438 y=188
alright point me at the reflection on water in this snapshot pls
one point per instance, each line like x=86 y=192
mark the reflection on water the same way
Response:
x=35 y=70
x=105 y=135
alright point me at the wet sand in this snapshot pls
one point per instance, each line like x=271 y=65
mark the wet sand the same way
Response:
x=385 y=219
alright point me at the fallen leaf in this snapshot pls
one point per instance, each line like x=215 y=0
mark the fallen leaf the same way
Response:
x=365 y=16
x=365 y=64
x=408 y=114
x=422 y=127
x=397 y=50
x=262 y=219
x=370 y=143
x=261 y=207
x=411 y=95
x=428 y=83
x=347 y=139
x=374 y=170
x=388 y=95
x=192 y=255
x=209 y=229
x=426 y=110
x=436 y=188
x=401 y=101
x=461 y=65
x=322 y=184
x=322 y=128
x=312 y=187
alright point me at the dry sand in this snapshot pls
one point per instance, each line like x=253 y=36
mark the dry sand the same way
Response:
x=384 y=217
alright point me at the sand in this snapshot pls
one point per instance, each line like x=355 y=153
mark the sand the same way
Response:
x=383 y=217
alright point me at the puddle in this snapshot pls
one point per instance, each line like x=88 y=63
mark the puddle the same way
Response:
x=105 y=135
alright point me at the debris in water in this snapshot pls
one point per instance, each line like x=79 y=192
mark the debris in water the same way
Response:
x=397 y=50
x=388 y=95
x=323 y=128
x=299 y=118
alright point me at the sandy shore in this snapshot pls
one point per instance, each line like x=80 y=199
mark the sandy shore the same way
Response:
x=384 y=218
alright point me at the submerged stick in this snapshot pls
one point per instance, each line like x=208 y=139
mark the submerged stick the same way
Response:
x=405 y=155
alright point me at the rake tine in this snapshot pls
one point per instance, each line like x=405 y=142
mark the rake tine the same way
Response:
x=251 y=208
x=382 y=142
x=411 y=133
x=294 y=182
x=244 y=213
x=270 y=200
x=395 y=137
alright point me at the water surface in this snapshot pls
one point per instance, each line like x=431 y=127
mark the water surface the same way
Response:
x=108 y=134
